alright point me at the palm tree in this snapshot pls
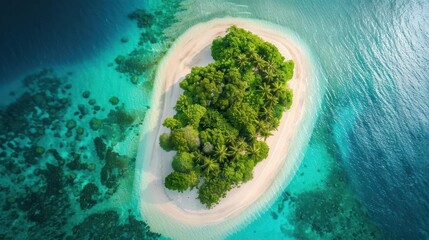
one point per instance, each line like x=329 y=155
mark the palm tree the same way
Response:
x=251 y=49
x=221 y=153
x=199 y=157
x=209 y=166
x=271 y=65
x=254 y=150
x=271 y=101
x=265 y=90
x=267 y=112
x=234 y=151
x=237 y=149
x=259 y=61
x=277 y=86
x=269 y=74
x=241 y=143
x=274 y=123
x=265 y=130
x=229 y=137
x=241 y=60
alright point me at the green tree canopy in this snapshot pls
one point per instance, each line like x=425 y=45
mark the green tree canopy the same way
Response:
x=165 y=142
x=258 y=151
x=172 y=123
x=183 y=162
x=179 y=181
x=194 y=113
x=224 y=111
x=185 y=139
x=212 y=191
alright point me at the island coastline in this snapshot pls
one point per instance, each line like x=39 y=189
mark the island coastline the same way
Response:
x=163 y=208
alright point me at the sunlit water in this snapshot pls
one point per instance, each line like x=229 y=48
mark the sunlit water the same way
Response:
x=364 y=173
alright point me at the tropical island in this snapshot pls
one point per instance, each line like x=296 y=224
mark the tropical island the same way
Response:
x=192 y=56
x=226 y=110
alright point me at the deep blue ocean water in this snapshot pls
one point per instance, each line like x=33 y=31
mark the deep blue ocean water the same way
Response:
x=365 y=171
x=48 y=32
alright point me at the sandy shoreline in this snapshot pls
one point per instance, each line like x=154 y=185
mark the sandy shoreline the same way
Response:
x=181 y=215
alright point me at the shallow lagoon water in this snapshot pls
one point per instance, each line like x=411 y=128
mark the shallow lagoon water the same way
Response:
x=365 y=166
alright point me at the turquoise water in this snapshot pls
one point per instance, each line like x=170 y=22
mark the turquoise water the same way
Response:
x=364 y=172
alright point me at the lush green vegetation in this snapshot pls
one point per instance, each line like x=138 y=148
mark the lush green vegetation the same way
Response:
x=228 y=107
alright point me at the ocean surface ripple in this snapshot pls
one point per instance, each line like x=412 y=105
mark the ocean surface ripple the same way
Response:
x=365 y=169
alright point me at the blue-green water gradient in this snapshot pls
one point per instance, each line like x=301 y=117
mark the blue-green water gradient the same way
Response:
x=364 y=174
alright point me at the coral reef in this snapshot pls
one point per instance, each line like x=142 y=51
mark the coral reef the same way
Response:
x=329 y=209
x=51 y=172
x=107 y=225
x=48 y=172
x=88 y=196
x=139 y=65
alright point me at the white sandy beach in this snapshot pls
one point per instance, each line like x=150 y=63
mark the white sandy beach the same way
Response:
x=181 y=216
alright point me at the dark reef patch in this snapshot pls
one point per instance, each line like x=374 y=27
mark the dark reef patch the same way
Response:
x=107 y=225
x=88 y=196
x=331 y=210
x=45 y=183
x=139 y=65
x=51 y=172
